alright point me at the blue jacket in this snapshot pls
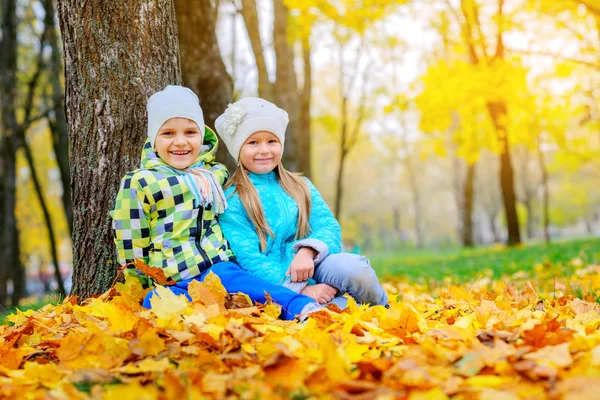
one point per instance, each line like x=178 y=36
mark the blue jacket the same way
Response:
x=281 y=213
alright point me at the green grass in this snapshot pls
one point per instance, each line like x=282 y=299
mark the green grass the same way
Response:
x=34 y=305
x=459 y=264
x=468 y=264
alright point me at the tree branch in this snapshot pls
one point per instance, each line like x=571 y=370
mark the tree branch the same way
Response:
x=555 y=56
x=32 y=84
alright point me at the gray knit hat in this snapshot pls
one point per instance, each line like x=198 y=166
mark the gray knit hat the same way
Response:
x=246 y=117
x=172 y=102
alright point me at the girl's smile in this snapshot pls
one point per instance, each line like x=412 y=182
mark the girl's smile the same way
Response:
x=261 y=152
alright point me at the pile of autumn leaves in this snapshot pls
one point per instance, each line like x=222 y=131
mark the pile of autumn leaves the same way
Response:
x=489 y=339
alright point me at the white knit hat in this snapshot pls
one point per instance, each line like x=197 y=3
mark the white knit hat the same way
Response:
x=246 y=117
x=173 y=102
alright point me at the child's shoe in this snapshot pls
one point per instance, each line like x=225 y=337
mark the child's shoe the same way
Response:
x=307 y=310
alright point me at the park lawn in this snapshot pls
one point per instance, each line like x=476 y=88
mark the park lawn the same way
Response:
x=462 y=265
x=534 y=331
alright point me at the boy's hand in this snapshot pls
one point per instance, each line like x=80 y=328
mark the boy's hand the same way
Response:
x=321 y=292
x=302 y=266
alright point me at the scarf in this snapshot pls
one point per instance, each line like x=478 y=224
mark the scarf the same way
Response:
x=203 y=184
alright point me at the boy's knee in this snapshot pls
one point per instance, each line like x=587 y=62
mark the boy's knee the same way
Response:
x=224 y=268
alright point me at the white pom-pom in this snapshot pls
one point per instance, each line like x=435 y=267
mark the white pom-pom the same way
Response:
x=235 y=113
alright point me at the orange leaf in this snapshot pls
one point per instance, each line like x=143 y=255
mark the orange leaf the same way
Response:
x=157 y=274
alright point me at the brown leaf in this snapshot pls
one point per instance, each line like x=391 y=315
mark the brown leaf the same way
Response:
x=155 y=273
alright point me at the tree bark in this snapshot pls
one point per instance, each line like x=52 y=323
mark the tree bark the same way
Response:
x=116 y=56
x=8 y=146
x=202 y=67
x=57 y=120
x=469 y=195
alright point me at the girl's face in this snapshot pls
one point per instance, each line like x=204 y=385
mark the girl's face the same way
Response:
x=179 y=142
x=261 y=152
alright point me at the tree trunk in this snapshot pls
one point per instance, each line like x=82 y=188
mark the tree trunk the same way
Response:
x=494 y=227
x=18 y=273
x=8 y=146
x=202 y=66
x=285 y=89
x=339 y=187
x=507 y=184
x=546 y=193
x=250 y=16
x=58 y=120
x=47 y=219
x=304 y=150
x=416 y=193
x=116 y=56
x=467 y=225
x=528 y=203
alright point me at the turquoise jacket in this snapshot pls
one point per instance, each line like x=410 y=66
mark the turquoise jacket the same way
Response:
x=281 y=213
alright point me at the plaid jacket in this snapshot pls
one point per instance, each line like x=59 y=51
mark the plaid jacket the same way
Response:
x=156 y=220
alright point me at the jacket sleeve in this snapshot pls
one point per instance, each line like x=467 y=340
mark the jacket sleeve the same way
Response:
x=131 y=228
x=326 y=234
x=220 y=172
x=243 y=240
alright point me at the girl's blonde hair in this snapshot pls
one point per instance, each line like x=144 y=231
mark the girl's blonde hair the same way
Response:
x=291 y=182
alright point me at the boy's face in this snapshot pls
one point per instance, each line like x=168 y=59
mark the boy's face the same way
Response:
x=261 y=152
x=179 y=142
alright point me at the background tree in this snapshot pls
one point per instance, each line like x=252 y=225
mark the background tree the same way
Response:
x=111 y=71
x=202 y=66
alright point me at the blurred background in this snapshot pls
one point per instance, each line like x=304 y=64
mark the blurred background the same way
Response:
x=434 y=125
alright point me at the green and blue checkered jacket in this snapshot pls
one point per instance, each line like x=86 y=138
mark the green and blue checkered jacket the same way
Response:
x=157 y=220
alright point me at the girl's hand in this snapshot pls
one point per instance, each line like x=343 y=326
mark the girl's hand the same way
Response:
x=302 y=266
x=321 y=292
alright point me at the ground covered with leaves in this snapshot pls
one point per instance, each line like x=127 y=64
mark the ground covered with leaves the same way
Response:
x=516 y=337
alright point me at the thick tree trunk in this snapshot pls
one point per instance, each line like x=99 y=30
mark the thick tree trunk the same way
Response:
x=467 y=214
x=116 y=55
x=202 y=66
x=58 y=120
x=250 y=16
x=9 y=240
x=9 y=250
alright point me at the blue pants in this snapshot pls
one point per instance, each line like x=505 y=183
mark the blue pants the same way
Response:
x=235 y=280
x=352 y=274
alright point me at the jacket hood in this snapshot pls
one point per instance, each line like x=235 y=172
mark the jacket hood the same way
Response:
x=150 y=158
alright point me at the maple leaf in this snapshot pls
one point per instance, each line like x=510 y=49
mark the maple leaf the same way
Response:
x=166 y=304
x=157 y=274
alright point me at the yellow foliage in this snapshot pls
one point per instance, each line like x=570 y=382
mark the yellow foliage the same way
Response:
x=493 y=339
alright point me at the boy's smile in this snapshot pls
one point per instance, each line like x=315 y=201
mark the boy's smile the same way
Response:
x=261 y=152
x=179 y=142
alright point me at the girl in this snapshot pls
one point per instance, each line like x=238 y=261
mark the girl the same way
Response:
x=166 y=211
x=277 y=223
